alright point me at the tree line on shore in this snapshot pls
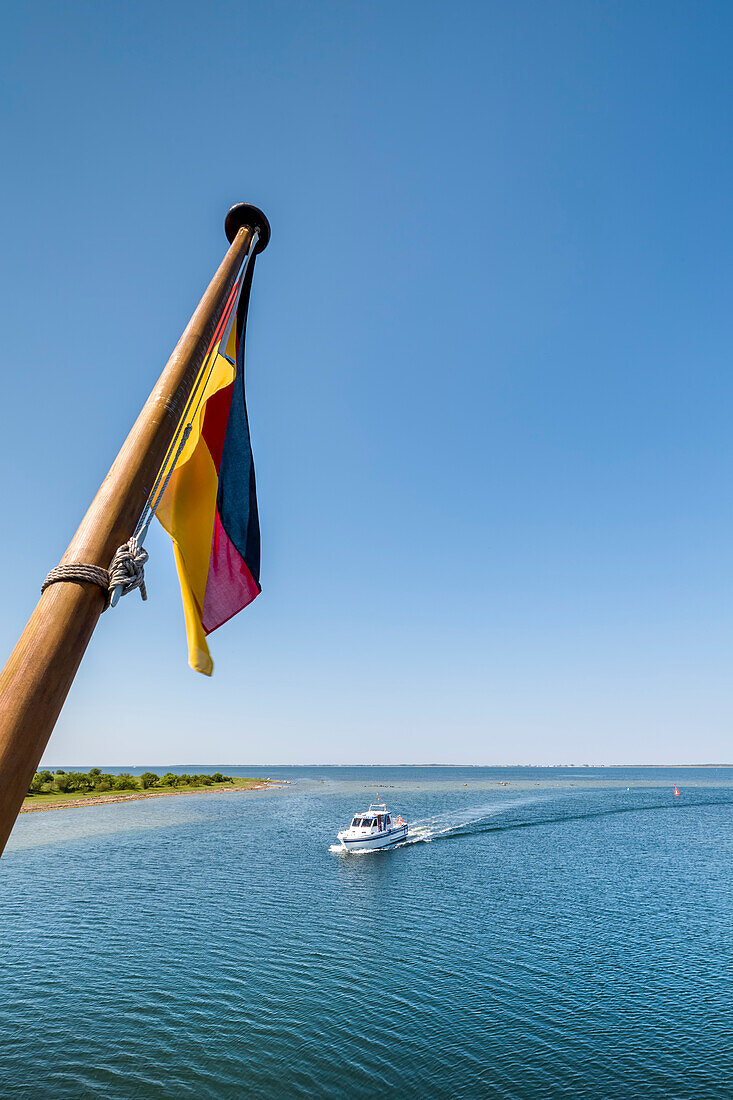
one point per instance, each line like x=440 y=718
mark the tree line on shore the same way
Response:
x=63 y=782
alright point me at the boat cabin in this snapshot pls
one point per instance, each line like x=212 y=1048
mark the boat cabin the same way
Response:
x=372 y=821
x=377 y=819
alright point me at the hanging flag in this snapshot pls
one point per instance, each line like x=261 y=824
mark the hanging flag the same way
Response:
x=676 y=792
x=209 y=503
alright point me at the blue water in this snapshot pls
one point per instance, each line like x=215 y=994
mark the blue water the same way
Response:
x=568 y=933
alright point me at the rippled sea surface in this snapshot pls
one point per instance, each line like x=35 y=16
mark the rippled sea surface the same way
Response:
x=543 y=932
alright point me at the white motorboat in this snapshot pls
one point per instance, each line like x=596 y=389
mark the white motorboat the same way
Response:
x=375 y=828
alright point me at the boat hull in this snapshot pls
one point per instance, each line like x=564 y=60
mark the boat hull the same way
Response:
x=377 y=840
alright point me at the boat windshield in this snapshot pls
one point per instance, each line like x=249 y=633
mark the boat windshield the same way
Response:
x=356 y=823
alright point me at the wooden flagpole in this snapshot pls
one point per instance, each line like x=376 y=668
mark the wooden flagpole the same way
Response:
x=41 y=669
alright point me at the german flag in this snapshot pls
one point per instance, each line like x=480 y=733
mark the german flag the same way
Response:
x=209 y=505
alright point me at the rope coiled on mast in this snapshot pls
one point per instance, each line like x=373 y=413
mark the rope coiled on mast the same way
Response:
x=126 y=571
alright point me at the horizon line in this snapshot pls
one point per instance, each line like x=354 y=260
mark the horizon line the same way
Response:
x=709 y=764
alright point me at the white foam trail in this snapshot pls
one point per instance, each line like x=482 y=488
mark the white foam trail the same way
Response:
x=452 y=822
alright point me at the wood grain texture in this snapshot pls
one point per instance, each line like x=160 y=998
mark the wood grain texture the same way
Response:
x=41 y=669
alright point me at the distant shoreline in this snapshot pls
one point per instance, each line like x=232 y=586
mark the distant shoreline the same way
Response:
x=34 y=806
x=274 y=767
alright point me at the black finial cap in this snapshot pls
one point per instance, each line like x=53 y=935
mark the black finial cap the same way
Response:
x=243 y=213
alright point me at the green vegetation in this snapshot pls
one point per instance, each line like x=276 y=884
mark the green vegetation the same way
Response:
x=47 y=786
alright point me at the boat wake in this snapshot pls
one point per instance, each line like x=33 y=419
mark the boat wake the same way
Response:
x=481 y=819
x=523 y=813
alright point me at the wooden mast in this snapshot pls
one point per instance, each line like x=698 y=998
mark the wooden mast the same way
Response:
x=41 y=668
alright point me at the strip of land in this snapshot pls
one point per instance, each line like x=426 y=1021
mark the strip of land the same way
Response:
x=67 y=800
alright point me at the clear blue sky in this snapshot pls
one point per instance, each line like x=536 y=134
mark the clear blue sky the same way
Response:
x=489 y=367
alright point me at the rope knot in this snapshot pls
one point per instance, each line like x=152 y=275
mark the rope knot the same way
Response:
x=127 y=569
x=126 y=573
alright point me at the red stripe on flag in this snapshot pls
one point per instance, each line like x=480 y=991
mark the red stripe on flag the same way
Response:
x=230 y=586
x=215 y=422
